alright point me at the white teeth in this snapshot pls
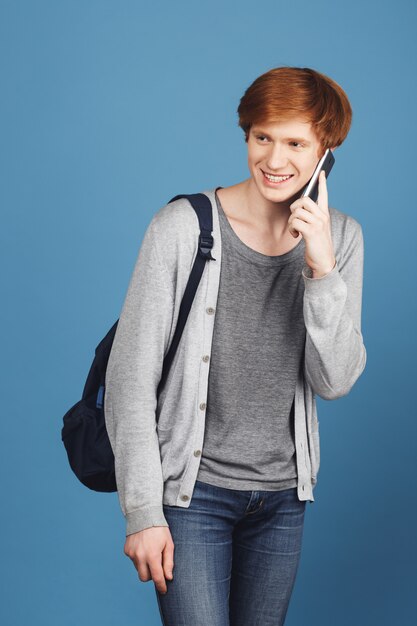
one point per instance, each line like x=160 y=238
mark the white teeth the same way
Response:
x=276 y=179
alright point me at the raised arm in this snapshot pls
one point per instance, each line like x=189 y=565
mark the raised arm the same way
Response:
x=335 y=355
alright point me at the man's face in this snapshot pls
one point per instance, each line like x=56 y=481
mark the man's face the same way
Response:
x=281 y=148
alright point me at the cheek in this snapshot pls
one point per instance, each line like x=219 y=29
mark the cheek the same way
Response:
x=255 y=153
x=252 y=160
x=306 y=167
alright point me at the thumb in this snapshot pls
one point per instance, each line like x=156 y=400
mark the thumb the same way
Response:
x=168 y=560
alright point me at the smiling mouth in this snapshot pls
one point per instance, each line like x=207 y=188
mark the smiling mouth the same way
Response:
x=276 y=180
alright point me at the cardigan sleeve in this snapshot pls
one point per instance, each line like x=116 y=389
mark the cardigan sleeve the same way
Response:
x=335 y=355
x=132 y=376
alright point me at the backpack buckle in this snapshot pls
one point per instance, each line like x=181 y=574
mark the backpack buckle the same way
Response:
x=205 y=244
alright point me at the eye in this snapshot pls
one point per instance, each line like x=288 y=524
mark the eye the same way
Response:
x=260 y=137
x=297 y=143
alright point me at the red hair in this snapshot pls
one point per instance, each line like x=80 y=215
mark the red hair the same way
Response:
x=285 y=93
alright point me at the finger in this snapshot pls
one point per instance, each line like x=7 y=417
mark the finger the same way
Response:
x=322 y=199
x=304 y=214
x=301 y=214
x=157 y=574
x=168 y=560
x=292 y=230
x=300 y=225
x=144 y=572
x=304 y=203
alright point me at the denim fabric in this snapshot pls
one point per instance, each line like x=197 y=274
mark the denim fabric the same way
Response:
x=236 y=555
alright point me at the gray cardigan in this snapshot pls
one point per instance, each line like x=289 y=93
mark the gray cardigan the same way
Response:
x=157 y=463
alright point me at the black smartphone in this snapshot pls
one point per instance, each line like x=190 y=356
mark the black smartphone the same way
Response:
x=312 y=188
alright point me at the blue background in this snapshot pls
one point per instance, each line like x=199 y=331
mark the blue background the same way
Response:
x=108 y=110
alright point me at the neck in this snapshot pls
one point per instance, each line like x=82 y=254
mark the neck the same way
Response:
x=264 y=212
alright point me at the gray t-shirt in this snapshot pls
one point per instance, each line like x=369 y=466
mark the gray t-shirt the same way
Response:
x=258 y=344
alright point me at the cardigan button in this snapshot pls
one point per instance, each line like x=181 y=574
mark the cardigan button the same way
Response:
x=203 y=406
x=197 y=452
x=185 y=498
x=210 y=310
x=206 y=358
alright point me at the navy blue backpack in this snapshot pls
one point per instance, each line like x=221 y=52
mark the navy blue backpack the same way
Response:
x=84 y=432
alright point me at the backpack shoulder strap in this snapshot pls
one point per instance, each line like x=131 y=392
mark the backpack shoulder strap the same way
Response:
x=202 y=206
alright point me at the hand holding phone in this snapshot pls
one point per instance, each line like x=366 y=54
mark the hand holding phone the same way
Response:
x=312 y=188
x=312 y=217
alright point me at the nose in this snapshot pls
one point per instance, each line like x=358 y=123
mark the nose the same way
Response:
x=277 y=158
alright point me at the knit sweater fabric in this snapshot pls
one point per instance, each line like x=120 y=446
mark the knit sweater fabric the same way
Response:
x=258 y=343
x=158 y=441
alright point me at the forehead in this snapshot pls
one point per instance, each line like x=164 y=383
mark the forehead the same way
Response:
x=296 y=127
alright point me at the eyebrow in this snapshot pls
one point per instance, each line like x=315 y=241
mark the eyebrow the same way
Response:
x=299 y=139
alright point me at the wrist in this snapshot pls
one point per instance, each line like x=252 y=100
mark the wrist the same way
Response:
x=322 y=273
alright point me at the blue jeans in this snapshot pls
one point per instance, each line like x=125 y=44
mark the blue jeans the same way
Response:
x=236 y=556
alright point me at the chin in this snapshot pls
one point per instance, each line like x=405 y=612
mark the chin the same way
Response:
x=276 y=195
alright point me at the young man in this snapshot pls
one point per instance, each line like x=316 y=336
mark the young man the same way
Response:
x=214 y=493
